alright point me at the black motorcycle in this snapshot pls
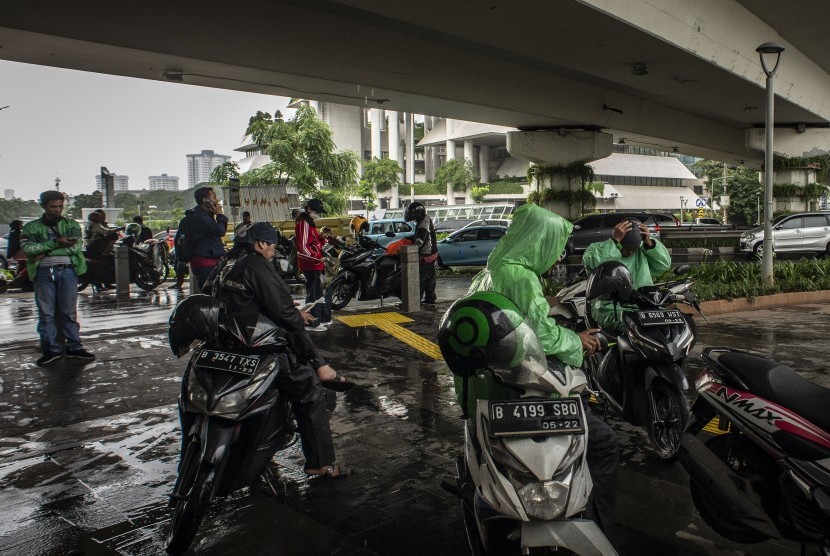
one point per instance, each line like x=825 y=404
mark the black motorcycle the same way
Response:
x=285 y=261
x=366 y=272
x=100 y=270
x=233 y=418
x=639 y=373
x=767 y=473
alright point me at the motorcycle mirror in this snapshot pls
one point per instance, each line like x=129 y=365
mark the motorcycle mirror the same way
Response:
x=682 y=269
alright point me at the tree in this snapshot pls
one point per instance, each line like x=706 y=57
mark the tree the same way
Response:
x=223 y=173
x=478 y=193
x=456 y=175
x=745 y=192
x=381 y=174
x=17 y=208
x=302 y=152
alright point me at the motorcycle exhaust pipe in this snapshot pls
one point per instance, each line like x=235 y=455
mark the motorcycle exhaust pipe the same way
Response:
x=734 y=492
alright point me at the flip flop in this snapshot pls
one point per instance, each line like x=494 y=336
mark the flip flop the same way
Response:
x=328 y=474
x=338 y=384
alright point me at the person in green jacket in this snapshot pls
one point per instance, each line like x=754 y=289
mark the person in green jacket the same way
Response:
x=533 y=245
x=54 y=260
x=644 y=256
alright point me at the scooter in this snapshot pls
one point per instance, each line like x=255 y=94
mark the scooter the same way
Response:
x=522 y=478
x=233 y=418
x=366 y=272
x=101 y=270
x=285 y=261
x=640 y=373
x=767 y=473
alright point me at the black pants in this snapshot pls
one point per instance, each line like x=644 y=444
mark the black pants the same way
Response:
x=303 y=389
x=313 y=292
x=603 y=459
x=427 y=280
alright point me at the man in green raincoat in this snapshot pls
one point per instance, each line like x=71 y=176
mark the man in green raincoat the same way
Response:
x=529 y=250
x=644 y=257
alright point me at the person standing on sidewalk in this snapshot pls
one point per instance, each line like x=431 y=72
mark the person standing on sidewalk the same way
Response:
x=427 y=244
x=309 y=244
x=205 y=228
x=54 y=260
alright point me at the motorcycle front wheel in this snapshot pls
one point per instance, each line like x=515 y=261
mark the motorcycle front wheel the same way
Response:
x=147 y=278
x=665 y=428
x=189 y=511
x=341 y=292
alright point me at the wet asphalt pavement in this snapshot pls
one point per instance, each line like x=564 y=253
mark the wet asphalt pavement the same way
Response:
x=88 y=453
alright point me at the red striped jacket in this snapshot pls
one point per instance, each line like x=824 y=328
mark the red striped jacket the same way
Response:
x=309 y=243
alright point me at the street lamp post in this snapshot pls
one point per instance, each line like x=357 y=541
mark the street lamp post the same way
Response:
x=140 y=204
x=769 y=125
x=758 y=208
x=682 y=202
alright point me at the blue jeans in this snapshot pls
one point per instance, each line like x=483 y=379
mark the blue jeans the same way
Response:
x=56 y=296
x=313 y=292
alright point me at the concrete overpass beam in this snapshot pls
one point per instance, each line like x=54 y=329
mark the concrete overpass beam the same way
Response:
x=559 y=147
x=789 y=141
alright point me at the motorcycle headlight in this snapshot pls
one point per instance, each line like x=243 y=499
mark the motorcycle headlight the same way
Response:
x=547 y=500
x=236 y=401
x=196 y=393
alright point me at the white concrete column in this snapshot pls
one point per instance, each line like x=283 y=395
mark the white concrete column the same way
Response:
x=484 y=163
x=410 y=153
x=469 y=157
x=394 y=138
x=376 y=133
x=450 y=156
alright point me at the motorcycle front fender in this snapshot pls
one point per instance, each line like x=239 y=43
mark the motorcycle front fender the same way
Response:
x=216 y=437
x=671 y=373
x=580 y=536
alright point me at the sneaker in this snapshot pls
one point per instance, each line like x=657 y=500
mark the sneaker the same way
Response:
x=48 y=357
x=79 y=354
x=425 y=302
x=318 y=328
x=327 y=323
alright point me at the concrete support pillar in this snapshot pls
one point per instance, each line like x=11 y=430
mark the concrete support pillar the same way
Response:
x=122 y=270
x=469 y=157
x=410 y=279
x=394 y=137
x=429 y=163
x=376 y=133
x=450 y=156
x=484 y=163
x=410 y=153
x=194 y=284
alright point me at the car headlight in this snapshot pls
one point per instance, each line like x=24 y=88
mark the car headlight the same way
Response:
x=547 y=500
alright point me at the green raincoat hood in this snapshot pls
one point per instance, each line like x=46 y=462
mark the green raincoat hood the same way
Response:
x=535 y=240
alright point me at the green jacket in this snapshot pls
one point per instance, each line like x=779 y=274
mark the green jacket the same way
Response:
x=533 y=243
x=35 y=242
x=643 y=264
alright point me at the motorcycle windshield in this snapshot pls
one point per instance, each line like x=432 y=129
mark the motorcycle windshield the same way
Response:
x=519 y=358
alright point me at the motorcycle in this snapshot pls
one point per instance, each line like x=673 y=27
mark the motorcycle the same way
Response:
x=101 y=270
x=522 y=478
x=767 y=475
x=285 y=261
x=639 y=374
x=366 y=272
x=233 y=418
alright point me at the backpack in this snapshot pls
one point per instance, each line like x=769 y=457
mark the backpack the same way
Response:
x=184 y=249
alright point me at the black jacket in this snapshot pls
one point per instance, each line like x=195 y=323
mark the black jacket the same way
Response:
x=253 y=286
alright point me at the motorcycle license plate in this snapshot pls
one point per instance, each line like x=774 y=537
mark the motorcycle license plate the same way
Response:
x=534 y=417
x=660 y=318
x=229 y=362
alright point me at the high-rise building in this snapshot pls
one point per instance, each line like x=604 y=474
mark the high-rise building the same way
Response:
x=120 y=183
x=199 y=166
x=8 y=194
x=164 y=183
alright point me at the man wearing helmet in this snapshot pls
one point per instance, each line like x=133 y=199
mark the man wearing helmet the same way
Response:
x=630 y=244
x=529 y=250
x=425 y=239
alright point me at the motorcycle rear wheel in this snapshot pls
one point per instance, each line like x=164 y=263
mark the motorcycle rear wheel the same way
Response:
x=188 y=513
x=341 y=293
x=712 y=513
x=666 y=428
x=148 y=278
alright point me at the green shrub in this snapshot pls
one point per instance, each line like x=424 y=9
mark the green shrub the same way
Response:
x=709 y=242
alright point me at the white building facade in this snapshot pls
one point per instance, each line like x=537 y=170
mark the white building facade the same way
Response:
x=120 y=182
x=200 y=166
x=164 y=183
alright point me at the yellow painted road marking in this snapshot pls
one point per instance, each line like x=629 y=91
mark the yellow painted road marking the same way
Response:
x=391 y=324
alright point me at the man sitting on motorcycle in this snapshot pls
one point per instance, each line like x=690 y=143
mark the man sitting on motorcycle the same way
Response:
x=247 y=282
x=632 y=245
x=529 y=250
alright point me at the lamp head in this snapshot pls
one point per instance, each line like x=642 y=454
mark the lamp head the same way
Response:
x=770 y=48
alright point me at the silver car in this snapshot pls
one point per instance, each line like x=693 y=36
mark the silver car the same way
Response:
x=804 y=232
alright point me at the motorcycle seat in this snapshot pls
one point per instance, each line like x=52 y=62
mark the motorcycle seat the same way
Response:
x=781 y=384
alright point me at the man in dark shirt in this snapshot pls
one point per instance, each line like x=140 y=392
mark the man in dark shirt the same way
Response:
x=247 y=282
x=206 y=226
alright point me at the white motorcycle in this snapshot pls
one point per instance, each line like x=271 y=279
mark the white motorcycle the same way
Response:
x=523 y=478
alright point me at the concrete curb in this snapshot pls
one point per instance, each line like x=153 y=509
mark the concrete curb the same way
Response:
x=739 y=304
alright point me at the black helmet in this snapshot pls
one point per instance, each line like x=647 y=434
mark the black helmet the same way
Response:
x=609 y=281
x=634 y=238
x=485 y=330
x=194 y=319
x=415 y=212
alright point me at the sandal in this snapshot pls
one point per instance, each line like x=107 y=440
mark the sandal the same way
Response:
x=338 y=384
x=330 y=472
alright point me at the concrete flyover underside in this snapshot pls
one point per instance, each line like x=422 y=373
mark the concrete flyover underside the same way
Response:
x=659 y=73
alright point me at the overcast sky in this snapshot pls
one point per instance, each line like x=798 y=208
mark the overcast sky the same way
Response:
x=67 y=124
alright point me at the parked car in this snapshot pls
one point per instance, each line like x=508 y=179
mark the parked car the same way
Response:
x=4 y=246
x=599 y=227
x=398 y=226
x=706 y=222
x=470 y=246
x=804 y=232
x=167 y=236
x=461 y=223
